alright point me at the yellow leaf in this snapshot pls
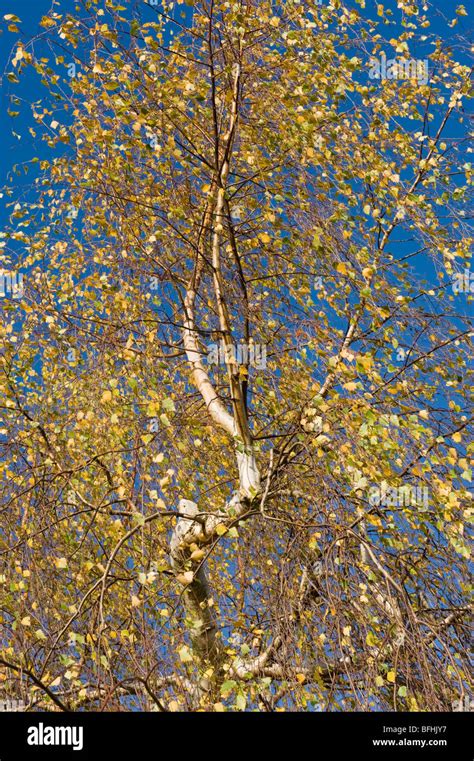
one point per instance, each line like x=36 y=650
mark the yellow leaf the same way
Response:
x=135 y=601
x=371 y=640
x=60 y=563
x=351 y=386
x=391 y=676
x=301 y=678
x=47 y=22
x=185 y=654
x=26 y=621
x=341 y=268
x=221 y=529
x=365 y=361
x=456 y=437
x=185 y=578
x=265 y=238
x=106 y=396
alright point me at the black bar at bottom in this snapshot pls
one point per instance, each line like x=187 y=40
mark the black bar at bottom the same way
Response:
x=105 y=736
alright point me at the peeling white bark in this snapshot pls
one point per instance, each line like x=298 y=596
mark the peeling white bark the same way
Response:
x=193 y=528
x=242 y=667
x=249 y=475
x=196 y=593
x=184 y=527
x=201 y=379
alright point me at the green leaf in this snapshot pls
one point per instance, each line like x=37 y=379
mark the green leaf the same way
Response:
x=227 y=687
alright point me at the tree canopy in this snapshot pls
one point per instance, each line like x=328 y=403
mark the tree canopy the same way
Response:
x=234 y=443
